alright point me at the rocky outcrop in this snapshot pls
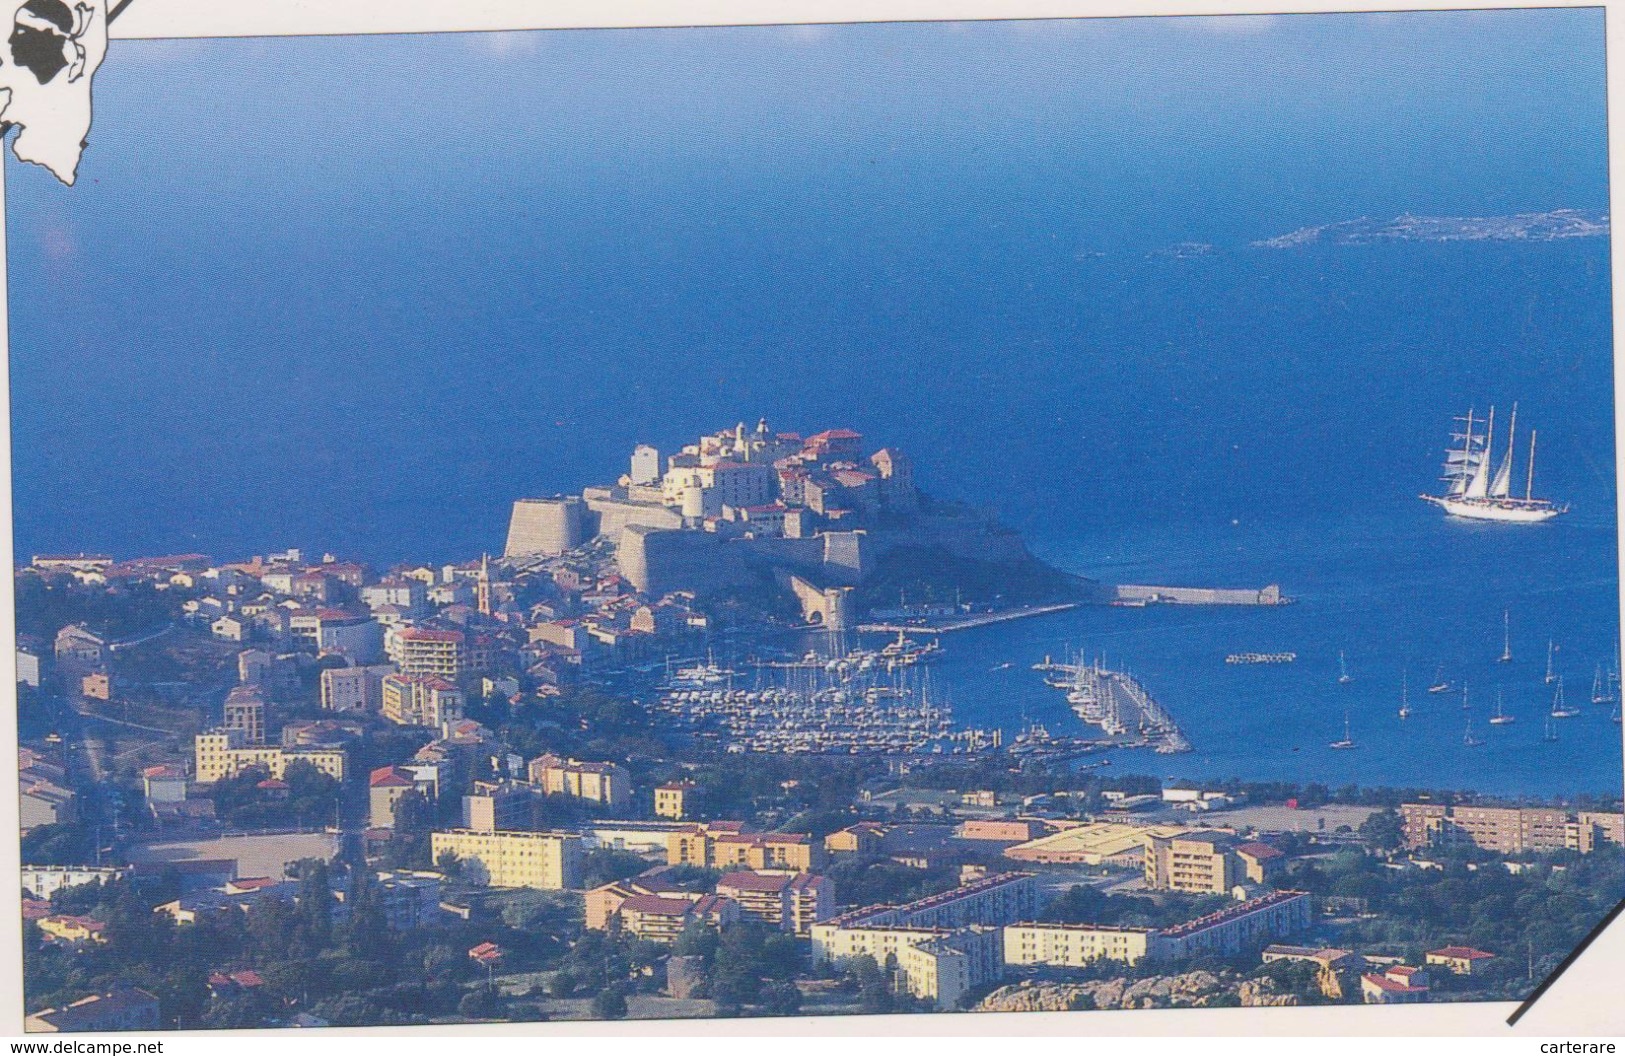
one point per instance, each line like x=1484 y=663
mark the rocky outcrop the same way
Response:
x=1187 y=990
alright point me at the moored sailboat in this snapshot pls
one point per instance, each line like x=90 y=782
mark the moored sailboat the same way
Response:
x=1560 y=709
x=1500 y=718
x=1404 y=694
x=1348 y=738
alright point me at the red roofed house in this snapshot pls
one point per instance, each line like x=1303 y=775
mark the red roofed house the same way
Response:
x=833 y=444
x=1260 y=862
x=1459 y=960
x=663 y=918
x=164 y=783
x=273 y=788
x=785 y=900
x=1398 y=985
x=71 y=931
x=385 y=787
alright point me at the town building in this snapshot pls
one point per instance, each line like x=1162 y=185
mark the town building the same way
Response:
x=1459 y=960
x=722 y=845
x=245 y=713
x=163 y=783
x=1201 y=861
x=69 y=930
x=1094 y=843
x=385 y=787
x=120 y=1009
x=863 y=839
x=1235 y=929
x=78 y=647
x=675 y=799
x=782 y=900
x=97 y=685
x=663 y=918
x=222 y=753
x=1510 y=830
x=944 y=946
x=1075 y=945
x=1245 y=926
x=425 y=651
x=355 y=688
x=420 y=700
x=549 y=861
x=43 y=881
x=1397 y=985
x=604 y=783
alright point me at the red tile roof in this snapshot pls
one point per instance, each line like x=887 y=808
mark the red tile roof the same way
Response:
x=753 y=882
x=1382 y=982
x=1461 y=953
x=390 y=777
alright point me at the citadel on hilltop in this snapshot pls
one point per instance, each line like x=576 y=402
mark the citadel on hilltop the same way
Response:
x=739 y=508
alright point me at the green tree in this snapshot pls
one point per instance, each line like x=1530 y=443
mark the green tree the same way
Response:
x=610 y=1003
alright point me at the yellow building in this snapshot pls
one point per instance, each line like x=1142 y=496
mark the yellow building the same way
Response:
x=425 y=651
x=1075 y=945
x=603 y=783
x=675 y=800
x=863 y=839
x=728 y=848
x=420 y=700
x=1202 y=861
x=221 y=753
x=73 y=930
x=1096 y=843
x=549 y=861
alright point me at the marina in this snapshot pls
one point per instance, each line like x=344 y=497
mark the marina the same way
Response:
x=841 y=702
x=1117 y=703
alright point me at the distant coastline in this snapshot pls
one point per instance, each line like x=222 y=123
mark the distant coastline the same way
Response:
x=1553 y=226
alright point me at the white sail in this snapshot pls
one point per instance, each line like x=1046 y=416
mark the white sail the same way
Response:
x=1501 y=487
x=1478 y=486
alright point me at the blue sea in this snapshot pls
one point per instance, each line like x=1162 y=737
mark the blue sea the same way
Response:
x=261 y=319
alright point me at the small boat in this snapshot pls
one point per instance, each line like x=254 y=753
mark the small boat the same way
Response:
x=1500 y=718
x=1561 y=710
x=1343 y=676
x=1348 y=740
x=1467 y=738
x=1549 y=734
x=1440 y=683
x=1464 y=704
x=1551 y=673
x=1506 y=637
x=1404 y=695
x=1001 y=667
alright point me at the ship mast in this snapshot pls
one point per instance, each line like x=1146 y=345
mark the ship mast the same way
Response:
x=1529 y=486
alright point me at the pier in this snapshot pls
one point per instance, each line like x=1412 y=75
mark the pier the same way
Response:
x=967 y=622
x=1116 y=702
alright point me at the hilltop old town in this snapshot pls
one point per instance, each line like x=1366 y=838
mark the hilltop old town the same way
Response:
x=675 y=753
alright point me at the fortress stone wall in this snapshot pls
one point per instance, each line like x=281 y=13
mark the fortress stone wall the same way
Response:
x=546 y=527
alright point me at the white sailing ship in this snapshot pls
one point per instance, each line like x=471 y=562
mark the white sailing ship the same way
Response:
x=1500 y=718
x=1472 y=491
